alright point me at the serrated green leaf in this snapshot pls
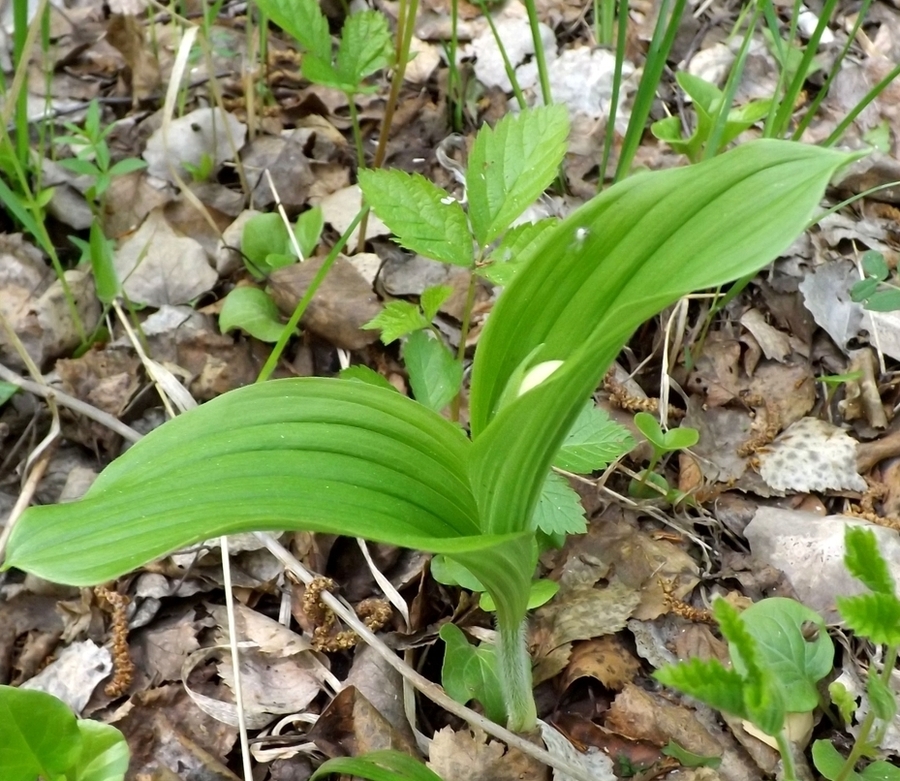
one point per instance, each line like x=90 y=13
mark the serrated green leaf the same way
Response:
x=398 y=318
x=594 y=442
x=707 y=681
x=470 y=673
x=559 y=509
x=384 y=765
x=511 y=253
x=873 y=616
x=304 y=20
x=884 y=300
x=423 y=217
x=511 y=165
x=321 y=71
x=881 y=698
x=253 y=311
x=795 y=663
x=432 y=298
x=864 y=561
x=104 y=753
x=40 y=735
x=365 y=46
x=360 y=373
x=435 y=376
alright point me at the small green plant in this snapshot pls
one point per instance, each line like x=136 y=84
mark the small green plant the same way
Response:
x=650 y=484
x=350 y=458
x=92 y=156
x=874 y=291
x=708 y=101
x=266 y=245
x=365 y=48
x=385 y=765
x=780 y=652
x=42 y=739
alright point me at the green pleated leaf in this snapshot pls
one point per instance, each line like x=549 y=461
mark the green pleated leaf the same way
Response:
x=423 y=217
x=611 y=265
x=319 y=454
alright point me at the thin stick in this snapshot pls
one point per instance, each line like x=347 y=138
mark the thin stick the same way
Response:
x=431 y=690
x=70 y=402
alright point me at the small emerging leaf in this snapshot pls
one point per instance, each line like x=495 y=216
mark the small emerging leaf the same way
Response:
x=383 y=765
x=707 y=681
x=470 y=673
x=252 y=310
x=864 y=561
x=511 y=165
x=365 y=46
x=423 y=217
x=885 y=300
x=398 y=318
x=874 y=265
x=873 y=616
x=105 y=278
x=434 y=375
x=432 y=298
x=308 y=230
x=360 y=373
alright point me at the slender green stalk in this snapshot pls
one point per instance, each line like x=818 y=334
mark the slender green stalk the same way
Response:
x=734 y=80
x=605 y=20
x=20 y=60
x=291 y=325
x=859 y=107
x=835 y=69
x=507 y=65
x=454 y=78
x=609 y=136
x=357 y=132
x=406 y=23
x=539 y=57
x=660 y=46
x=787 y=756
x=514 y=668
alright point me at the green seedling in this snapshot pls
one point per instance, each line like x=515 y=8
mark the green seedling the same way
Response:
x=42 y=739
x=663 y=442
x=470 y=673
x=201 y=172
x=780 y=652
x=365 y=48
x=92 y=156
x=874 y=291
x=708 y=103
x=346 y=457
x=266 y=245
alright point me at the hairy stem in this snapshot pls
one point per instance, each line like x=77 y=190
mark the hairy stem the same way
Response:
x=514 y=666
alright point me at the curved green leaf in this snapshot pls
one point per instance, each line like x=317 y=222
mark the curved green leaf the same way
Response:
x=319 y=454
x=611 y=265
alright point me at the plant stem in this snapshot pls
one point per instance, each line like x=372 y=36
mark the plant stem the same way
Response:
x=787 y=755
x=514 y=667
x=534 y=23
x=357 y=131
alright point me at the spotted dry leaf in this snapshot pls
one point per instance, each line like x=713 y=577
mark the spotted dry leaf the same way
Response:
x=811 y=455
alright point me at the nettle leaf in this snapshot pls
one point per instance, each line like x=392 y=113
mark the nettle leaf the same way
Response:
x=508 y=256
x=594 y=442
x=874 y=616
x=40 y=735
x=424 y=218
x=470 y=673
x=304 y=20
x=796 y=664
x=432 y=298
x=864 y=561
x=511 y=165
x=398 y=318
x=434 y=375
x=559 y=509
x=365 y=46
x=707 y=681
x=253 y=311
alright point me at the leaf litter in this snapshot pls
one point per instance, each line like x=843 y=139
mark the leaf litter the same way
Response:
x=752 y=380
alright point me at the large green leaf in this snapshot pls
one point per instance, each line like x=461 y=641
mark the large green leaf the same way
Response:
x=610 y=266
x=319 y=454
